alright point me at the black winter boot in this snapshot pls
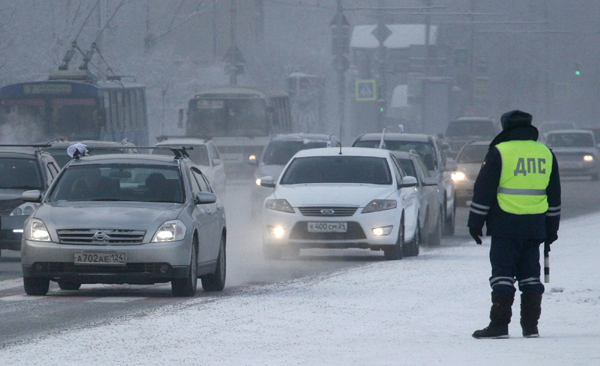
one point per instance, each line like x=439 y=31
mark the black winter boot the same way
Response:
x=531 y=308
x=500 y=315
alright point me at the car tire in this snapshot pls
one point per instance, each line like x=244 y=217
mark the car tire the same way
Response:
x=450 y=223
x=412 y=250
x=271 y=253
x=395 y=252
x=434 y=238
x=186 y=287
x=216 y=281
x=36 y=286
x=69 y=286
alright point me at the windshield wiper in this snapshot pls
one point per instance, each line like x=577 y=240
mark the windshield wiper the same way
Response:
x=170 y=201
x=109 y=199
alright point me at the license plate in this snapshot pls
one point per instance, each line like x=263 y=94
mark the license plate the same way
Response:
x=327 y=227
x=100 y=258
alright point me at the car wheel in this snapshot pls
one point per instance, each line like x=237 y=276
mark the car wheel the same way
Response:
x=36 y=286
x=216 y=281
x=450 y=223
x=69 y=286
x=412 y=250
x=186 y=287
x=435 y=236
x=395 y=252
x=271 y=252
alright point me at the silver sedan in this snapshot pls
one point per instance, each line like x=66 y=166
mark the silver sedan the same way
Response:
x=136 y=219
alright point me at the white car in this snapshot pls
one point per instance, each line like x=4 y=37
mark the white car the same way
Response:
x=205 y=155
x=357 y=199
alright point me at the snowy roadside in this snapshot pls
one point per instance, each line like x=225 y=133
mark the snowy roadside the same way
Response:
x=418 y=311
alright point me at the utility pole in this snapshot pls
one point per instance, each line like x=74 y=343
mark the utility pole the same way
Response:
x=471 y=54
x=233 y=57
x=100 y=16
x=340 y=31
x=215 y=29
x=382 y=33
x=427 y=37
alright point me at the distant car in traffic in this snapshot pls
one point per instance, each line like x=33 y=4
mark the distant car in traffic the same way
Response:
x=358 y=199
x=430 y=216
x=469 y=160
x=548 y=126
x=431 y=151
x=204 y=154
x=21 y=169
x=58 y=148
x=462 y=130
x=276 y=154
x=576 y=152
x=124 y=218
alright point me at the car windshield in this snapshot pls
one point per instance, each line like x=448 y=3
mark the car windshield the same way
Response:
x=17 y=173
x=424 y=149
x=280 y=152
x=472 y=154
x=569 y=140
x=470 y=128
x=118 y=182
x=198 y=154
x=338 y=169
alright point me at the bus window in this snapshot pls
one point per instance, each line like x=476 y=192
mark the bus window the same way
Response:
x=114 y=115
x=133 y=108
x=107 y=118
x=74 y=118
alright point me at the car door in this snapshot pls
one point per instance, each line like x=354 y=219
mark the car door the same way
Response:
x=212 y=212
x=430 y=191
x=445 y=179
x=203 y=218
x=409 y=198
x=219 y=169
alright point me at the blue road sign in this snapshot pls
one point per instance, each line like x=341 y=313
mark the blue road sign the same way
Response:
x=366 y=90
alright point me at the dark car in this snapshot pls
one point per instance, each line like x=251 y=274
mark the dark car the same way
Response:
x=21 y=169
x=462 y=130
x=431 y=151
x=126 y=218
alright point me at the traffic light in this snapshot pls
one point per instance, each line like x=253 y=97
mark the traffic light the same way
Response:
x=381 y=106
x=577 y=69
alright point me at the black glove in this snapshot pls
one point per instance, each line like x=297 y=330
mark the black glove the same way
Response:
x=551 y=237
x=476 y=234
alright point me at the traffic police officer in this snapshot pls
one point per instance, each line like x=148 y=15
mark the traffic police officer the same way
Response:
x=517 y=195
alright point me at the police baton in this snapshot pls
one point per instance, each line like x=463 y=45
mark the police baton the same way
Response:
x=546 y=263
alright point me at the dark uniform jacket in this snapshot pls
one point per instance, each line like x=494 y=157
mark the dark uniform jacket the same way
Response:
x=485 y=208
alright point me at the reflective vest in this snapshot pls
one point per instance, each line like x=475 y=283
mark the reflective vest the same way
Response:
x=526 y=168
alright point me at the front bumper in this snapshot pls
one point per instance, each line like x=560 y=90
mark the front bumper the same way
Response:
x=577 y=168
x=359 y=232
x=146 y=263
x=11 y=232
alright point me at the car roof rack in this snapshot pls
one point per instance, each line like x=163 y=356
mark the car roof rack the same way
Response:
x=162 y=138
x=179 y=152
x=39 y=147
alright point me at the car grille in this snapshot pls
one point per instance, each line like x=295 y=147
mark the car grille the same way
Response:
x=101 y=236
x=300 y=231
x=328 y=211
x=61 y=267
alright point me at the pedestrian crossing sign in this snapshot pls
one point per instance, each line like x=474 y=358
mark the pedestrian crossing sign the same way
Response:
x=366 y=90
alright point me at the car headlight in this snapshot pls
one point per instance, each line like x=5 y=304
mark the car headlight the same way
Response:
x=25 y=209
x=458 y=176
x=279 y=205
x=380 y=205
x=172 y=230
x=36 y=231
x=258 y=181
x=588 y=158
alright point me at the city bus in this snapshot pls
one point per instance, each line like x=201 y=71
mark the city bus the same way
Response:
x=240 y=121
x=74 y=105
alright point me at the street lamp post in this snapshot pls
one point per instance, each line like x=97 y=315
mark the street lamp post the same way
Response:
x=340 y=32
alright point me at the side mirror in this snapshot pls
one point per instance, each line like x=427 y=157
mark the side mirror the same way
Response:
x=408 y=181
x=32 y=196
x=267 y=181
x=451 y=166
x=203 y=198
x=217 y=162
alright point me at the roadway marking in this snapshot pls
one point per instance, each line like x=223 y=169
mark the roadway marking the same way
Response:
x=21 y=298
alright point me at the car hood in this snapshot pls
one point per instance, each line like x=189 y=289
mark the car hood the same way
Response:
x=107 y=215
x=269 y=170
x=332 y=194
